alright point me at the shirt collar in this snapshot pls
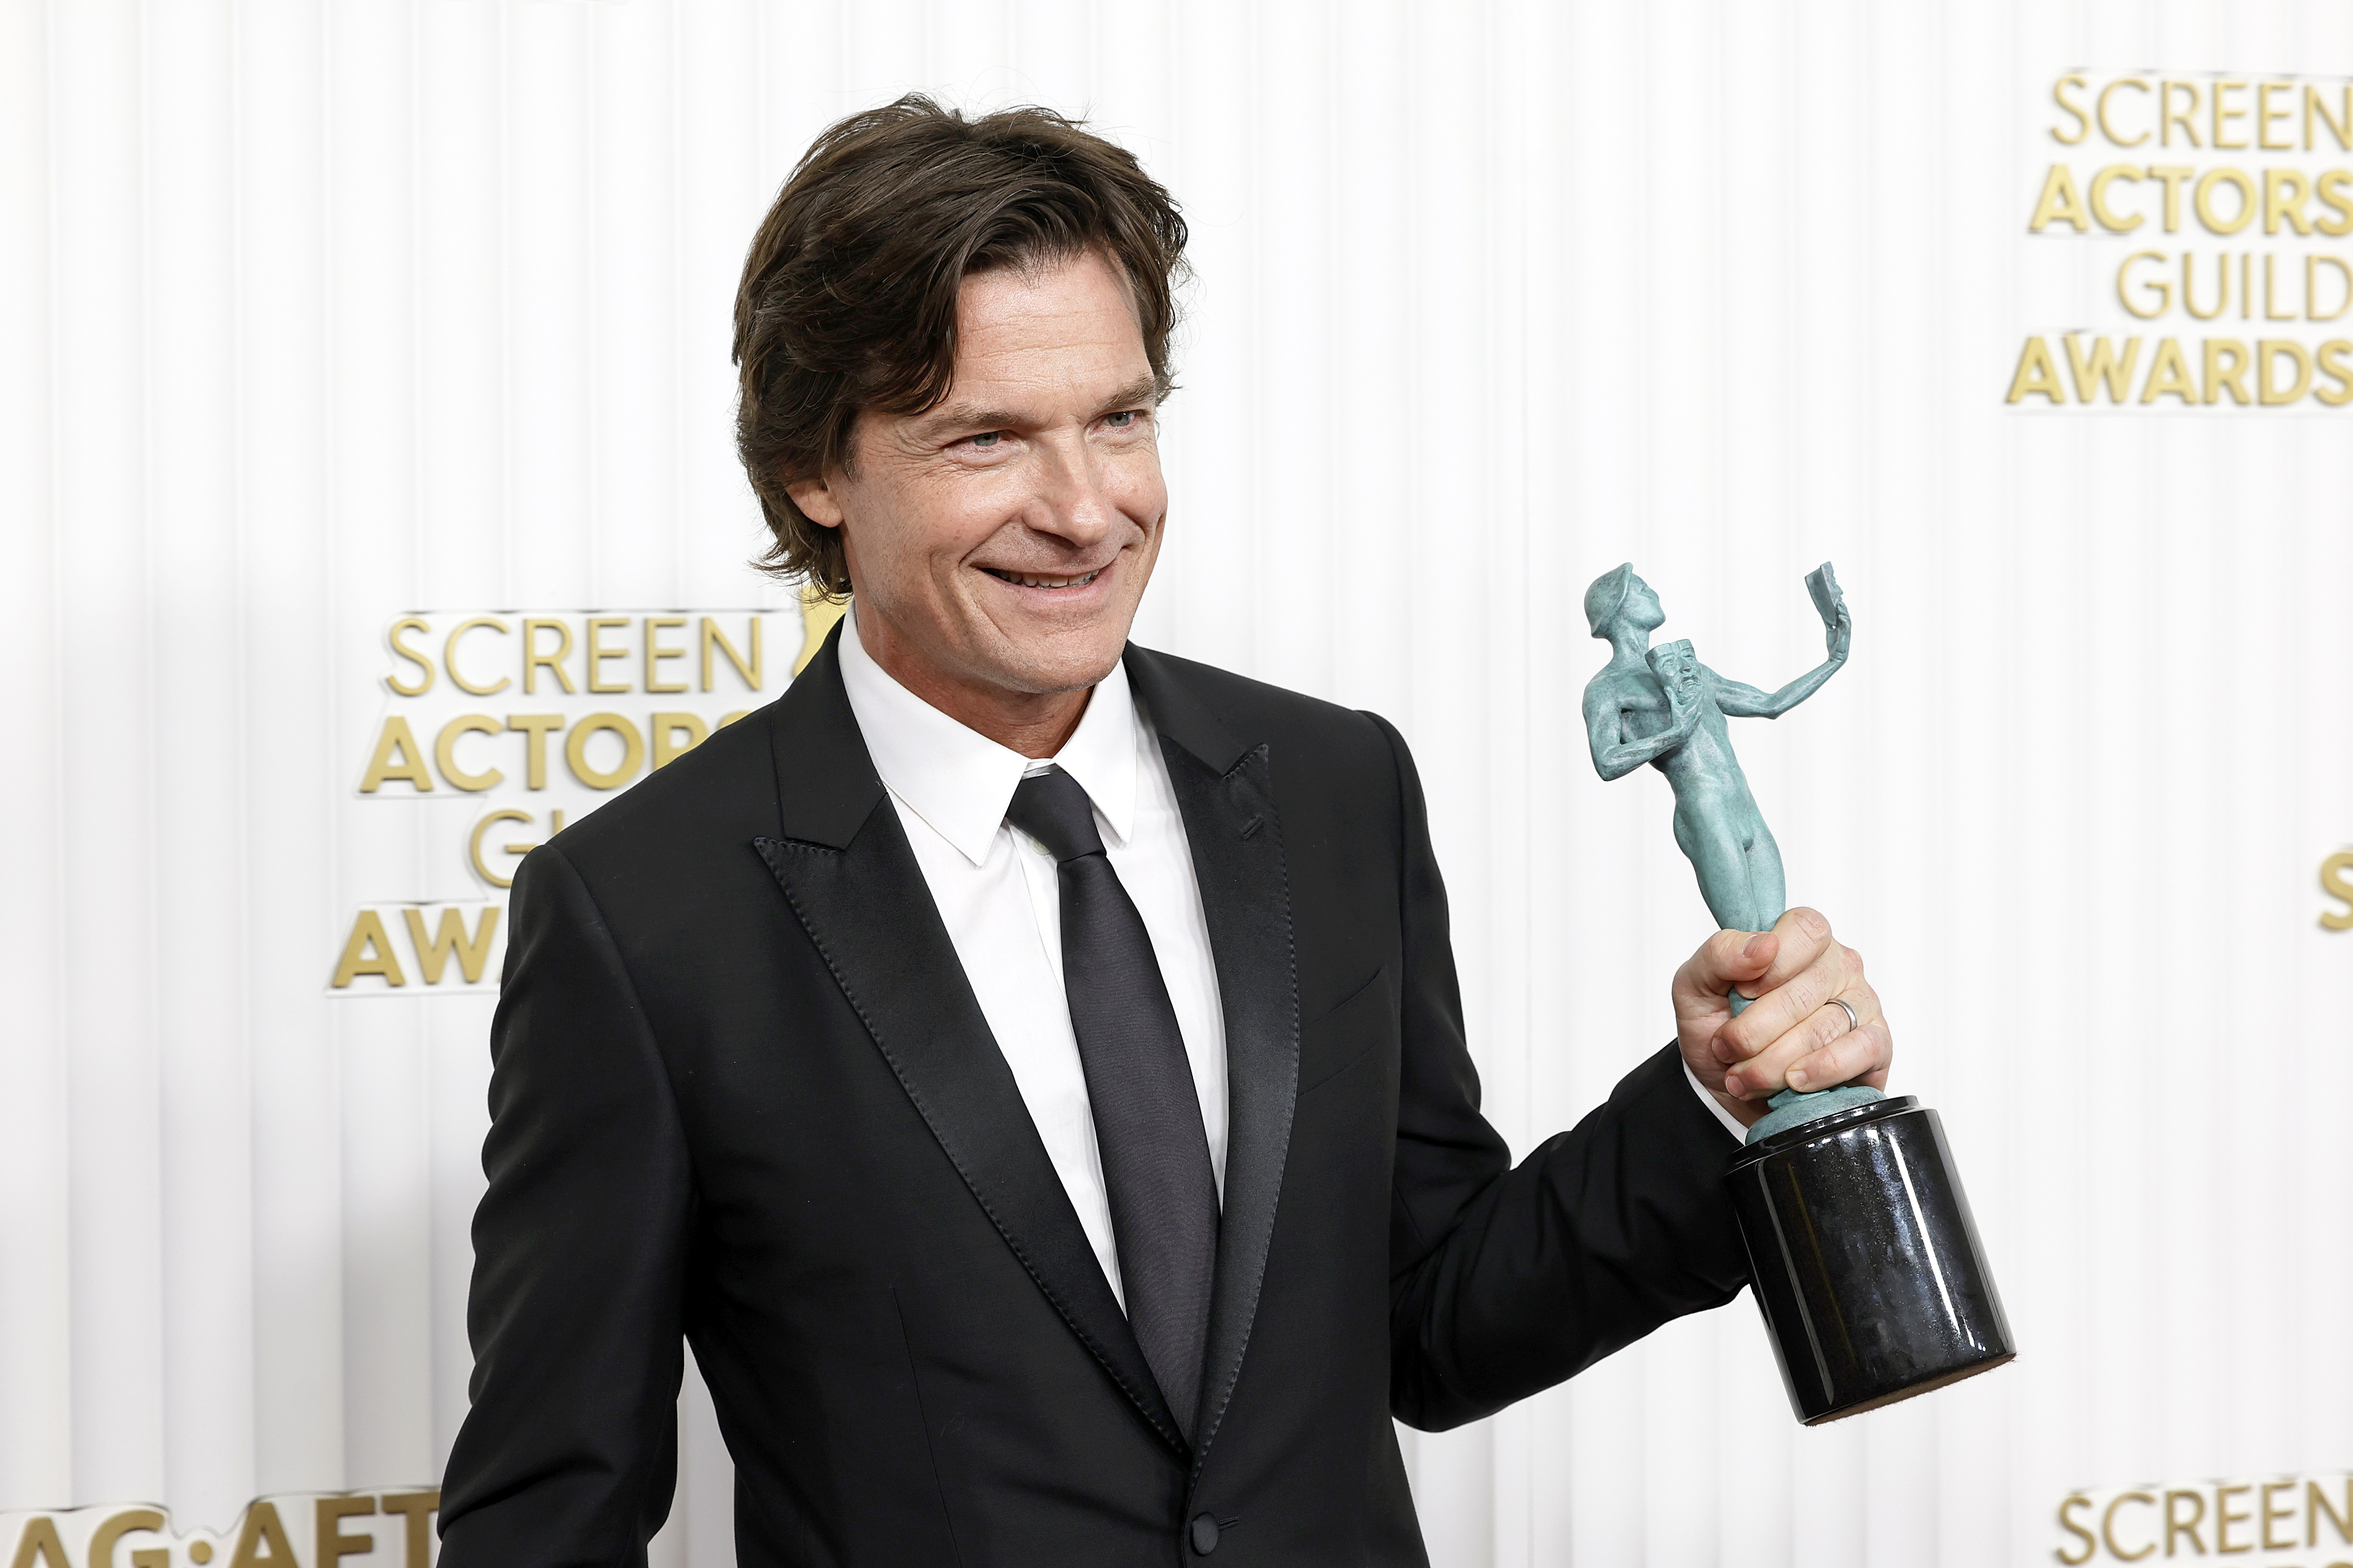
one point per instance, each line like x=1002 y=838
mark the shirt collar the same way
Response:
x=957 y=779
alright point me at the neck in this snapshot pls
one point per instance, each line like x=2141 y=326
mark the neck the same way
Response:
x=1035 y=724
x=1632 y=643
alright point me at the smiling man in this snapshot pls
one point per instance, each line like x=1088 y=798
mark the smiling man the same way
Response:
x=1027 y=1068
x=999 y=542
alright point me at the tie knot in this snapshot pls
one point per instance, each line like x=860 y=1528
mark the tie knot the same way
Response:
x=1052 y=809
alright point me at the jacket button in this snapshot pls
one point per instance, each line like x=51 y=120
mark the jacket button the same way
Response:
x=1205 y=1534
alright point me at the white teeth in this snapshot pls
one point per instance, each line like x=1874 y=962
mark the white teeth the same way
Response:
x=1028 y=580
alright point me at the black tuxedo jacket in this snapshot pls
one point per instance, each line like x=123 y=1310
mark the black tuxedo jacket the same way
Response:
x=742 y=1094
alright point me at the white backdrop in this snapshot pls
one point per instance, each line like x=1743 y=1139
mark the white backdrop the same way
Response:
x=318 y=312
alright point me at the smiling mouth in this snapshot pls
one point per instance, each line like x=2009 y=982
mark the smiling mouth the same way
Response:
x=1037 y=580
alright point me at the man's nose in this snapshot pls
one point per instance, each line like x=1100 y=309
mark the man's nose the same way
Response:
x=1073 y=500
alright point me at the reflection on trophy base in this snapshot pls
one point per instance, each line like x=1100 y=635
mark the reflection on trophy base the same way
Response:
x=1866 y=1260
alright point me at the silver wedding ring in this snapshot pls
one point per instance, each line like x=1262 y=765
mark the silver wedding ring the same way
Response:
x=1852 y=1023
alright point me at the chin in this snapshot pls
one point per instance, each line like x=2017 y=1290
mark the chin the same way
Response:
x=1049 y=679
x=1062 y=657
x=1075 y=669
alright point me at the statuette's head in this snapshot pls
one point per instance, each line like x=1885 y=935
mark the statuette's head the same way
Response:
x=1618 y=597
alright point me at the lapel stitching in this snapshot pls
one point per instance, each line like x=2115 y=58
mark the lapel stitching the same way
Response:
x=1262 y=1053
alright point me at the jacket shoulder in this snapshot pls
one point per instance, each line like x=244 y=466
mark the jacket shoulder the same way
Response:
x=1257 y=710
x=722 y=791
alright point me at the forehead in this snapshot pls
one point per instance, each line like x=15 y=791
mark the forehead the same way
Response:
x=1050 y=319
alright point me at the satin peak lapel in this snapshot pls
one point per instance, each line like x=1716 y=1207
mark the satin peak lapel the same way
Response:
x=1225 y=791
x=853 y=881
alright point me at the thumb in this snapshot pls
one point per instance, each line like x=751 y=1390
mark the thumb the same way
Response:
x=1728 y=958
x=1755 y=957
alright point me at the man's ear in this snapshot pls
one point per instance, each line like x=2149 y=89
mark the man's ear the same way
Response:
x=817 y=500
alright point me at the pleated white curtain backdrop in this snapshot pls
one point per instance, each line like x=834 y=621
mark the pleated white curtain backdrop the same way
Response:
x=316 y=311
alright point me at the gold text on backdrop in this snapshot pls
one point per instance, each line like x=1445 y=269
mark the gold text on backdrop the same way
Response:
x=2284 y=207
x=586 y=702
x=325 y=1526
x=2340 y=886
x=2308 y=1515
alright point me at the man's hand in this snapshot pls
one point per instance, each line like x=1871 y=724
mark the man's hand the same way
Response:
x=1792 y=1035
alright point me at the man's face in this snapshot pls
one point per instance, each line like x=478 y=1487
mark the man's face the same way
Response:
x=998 y=543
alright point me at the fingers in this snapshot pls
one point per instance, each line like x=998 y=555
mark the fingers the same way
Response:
x=1820 y=1052
x=1795 y=1035
x=1858 y=1056
x=1807 y=968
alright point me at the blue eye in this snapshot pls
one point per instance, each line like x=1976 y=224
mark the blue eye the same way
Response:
x=1121 y=420
x=988 y=438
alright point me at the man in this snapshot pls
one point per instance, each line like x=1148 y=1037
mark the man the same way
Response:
x=1027 y=1068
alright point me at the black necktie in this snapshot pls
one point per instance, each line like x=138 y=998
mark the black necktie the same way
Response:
x=1156 y=1156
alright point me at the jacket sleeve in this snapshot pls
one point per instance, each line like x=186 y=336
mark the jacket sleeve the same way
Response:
x=569 y=1453
x=1505 y=1280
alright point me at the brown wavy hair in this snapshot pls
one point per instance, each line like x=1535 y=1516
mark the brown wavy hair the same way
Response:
x=848 y=296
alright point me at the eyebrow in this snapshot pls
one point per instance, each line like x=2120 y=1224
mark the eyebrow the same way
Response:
x=1143 y=392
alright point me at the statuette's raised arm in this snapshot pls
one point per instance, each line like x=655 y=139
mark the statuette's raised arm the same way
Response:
x=1740 y=701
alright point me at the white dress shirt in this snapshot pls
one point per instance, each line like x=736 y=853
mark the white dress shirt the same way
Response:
x=1001 y=901
x=1731 y=1122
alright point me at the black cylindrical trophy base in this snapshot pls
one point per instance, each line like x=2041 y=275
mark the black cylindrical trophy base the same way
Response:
x=1866 y=1260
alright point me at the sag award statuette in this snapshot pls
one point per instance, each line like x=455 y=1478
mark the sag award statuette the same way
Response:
x=1865 y=1260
